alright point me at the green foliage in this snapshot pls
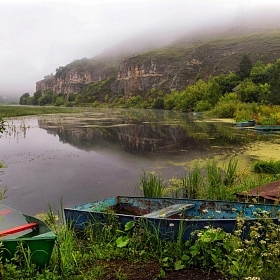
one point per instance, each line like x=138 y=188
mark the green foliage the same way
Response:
x=210 y=247
x=248 y=91
x=270 y=167
x=245 y=67
x=274 y=97
x=268 y=115
x=245 y=112
x=159 y=103
x=231 y=171
x=226 y=106
x=23 y=100
x=134 y=101
x=202 y=105
x=260 y=73
x=193 y=183
x=227 y=82
x=15 y=111
x=210 y=180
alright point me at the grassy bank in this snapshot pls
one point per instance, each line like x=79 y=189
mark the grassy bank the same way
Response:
x=16 y=111
x=108 y=251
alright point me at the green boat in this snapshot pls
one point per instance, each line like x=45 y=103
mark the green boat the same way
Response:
x=267 y=127
x=20 y=232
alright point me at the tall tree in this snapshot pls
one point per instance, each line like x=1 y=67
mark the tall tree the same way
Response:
x=23 y=100
x=274 y=97
x=245 y=67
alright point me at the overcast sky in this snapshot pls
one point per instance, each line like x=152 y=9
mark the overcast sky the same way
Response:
x=38 y=36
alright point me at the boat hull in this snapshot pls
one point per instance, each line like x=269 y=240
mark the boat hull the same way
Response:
x=39 y=245
x=246 y=123
x=267 y=128
x=217 y=214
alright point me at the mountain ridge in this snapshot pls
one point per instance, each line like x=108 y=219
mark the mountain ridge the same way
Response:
x=167 y=68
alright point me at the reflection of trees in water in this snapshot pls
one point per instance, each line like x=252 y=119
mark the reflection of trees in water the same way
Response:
x=141 y=131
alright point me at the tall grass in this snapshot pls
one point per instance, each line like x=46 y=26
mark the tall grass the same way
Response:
x=208 y=181
x=16 y=111
x=151 y=185
x=193 y=183
x=270 y=167
x=231 y=171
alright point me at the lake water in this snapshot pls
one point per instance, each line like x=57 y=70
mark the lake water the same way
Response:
x=78 y=158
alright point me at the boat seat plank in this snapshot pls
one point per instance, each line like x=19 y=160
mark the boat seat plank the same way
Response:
x=169 y=211
x=17 y=229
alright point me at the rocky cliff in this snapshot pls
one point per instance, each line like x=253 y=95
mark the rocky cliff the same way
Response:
x=170 y=68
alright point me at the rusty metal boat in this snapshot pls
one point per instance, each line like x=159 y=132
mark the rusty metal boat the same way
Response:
x=168 y=215
x=268 y=193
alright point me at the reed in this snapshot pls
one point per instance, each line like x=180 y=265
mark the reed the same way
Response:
x=193 y=183
x=151 y=185
x=231 y=171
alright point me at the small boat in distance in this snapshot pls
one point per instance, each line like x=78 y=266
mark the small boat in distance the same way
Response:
x=18 y=229
x=249 y=123
x=167 y=215
x=267 y=128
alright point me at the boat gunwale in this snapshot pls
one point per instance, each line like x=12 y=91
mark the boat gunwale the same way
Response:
x=117 y=199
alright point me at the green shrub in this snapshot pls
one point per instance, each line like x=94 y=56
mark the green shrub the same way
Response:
x=269 y=167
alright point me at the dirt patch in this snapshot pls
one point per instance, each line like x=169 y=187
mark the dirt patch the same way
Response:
x=150 y=271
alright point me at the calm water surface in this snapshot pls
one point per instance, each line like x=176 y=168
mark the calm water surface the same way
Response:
x=89 y=156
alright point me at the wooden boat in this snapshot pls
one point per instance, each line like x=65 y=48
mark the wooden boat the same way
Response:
x=167 y=215
x=249 y=123
x=21 y=232
x=267 y=128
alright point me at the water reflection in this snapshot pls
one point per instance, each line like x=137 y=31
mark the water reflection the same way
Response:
x=143 y=131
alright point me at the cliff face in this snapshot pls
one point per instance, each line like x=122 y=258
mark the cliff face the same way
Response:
x=75 y=76
x=170 y=68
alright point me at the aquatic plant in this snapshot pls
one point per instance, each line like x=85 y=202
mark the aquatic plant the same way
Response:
x=2 y=126
x=151 y=184
x=231 y=171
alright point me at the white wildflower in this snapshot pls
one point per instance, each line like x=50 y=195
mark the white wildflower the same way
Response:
x=239 y=250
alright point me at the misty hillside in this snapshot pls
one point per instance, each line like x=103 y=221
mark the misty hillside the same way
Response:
x=125 y=71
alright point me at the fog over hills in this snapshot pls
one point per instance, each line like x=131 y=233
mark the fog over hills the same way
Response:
x=40 y=36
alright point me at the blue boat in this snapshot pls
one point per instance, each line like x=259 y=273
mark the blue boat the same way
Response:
x=168 y=215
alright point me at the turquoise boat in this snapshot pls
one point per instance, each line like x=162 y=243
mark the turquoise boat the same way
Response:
x=22 y=232
x=267 y=128
x=168 y=215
